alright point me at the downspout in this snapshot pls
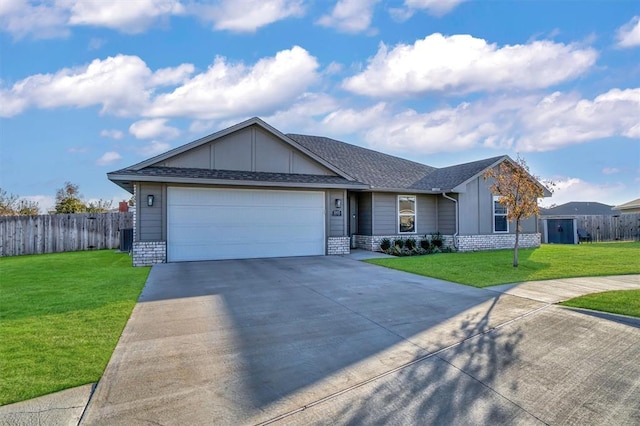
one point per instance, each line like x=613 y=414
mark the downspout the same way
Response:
x=455 y=236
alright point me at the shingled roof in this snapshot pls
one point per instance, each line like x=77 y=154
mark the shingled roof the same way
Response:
x=357 y=167
x=580 y=208
x=383 y=171
x=239 y=176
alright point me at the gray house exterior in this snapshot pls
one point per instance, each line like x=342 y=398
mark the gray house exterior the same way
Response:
x=251 y=191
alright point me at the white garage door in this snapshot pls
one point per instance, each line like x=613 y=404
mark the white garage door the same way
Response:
x=206 y=224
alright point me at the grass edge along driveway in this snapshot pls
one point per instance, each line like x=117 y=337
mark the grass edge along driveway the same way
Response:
x=484 y=269
x=549 y=261
x=61 y=316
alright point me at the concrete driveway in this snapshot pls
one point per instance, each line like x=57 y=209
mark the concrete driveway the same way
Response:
x=330 y=340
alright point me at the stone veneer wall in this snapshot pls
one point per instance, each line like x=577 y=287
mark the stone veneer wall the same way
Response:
x=338 y=245
x=147 y=253
x=372 y=242
x=462 y=242
x=496 y=241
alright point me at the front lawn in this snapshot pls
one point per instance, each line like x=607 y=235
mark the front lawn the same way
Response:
x=625 y=302
x=60 y=318
x=483 y=269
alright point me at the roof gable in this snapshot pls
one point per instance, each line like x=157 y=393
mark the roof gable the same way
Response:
x=229 y=142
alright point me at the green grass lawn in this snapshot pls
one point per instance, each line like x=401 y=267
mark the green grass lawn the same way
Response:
x=60 y=318
x=483 y=269
x=626 y=302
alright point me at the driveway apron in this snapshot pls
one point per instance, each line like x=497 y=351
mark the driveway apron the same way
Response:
x=330 y=340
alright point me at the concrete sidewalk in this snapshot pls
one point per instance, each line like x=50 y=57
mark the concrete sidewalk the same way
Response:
x=400 y=381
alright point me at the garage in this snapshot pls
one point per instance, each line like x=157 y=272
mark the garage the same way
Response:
x=211 y=224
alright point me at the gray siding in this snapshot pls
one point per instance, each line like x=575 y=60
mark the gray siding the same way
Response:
x=427 y=214
x=150 y=222
x=252 y=150
x=337 y=224
x=446 y=216
x=365 y=217
x=385 y=213
x=476 y=210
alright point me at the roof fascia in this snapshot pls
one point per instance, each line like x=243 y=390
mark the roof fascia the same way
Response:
x=462 y=186
x=204 y=181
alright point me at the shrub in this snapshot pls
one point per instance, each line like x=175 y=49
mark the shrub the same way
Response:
x=398 y=242
x=410 y=243
x=436 y=239
x=385 y=244
x=425 y=244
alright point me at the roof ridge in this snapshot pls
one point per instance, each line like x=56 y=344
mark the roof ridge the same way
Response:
x=373 y=151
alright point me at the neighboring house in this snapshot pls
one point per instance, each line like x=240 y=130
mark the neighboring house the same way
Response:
x=562 y=224
x=251 y=191
x=629 y=208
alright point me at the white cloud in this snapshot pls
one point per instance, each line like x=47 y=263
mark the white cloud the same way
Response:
x=122 y=85
x=112 y=133
x=433 y=7
x=41 y=19
x=96 y=43
x=135 y=17
x=559 y=119
x=119 y=84
x=53 y=18
x=154 y=128
x=610 y=170
x=568 y=189
x=629 y=34
x=463 y=64
x=350 y=16
x=246 y=15
x=303 y=112
x=153 y=148
x=172 y=75
x=108 y=158
x=228 y=90
x=125 y=86
x=526 y=124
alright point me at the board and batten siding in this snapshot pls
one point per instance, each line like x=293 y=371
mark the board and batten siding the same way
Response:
x=251 y=149
x=337 y=224
x=385 y=213
x=426 y=222
x=476 y=210
x=365 y=223
x=150 y=219
x=446 y=216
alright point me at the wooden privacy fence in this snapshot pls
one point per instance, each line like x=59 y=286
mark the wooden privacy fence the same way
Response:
x=625 y=227
x=61 y=232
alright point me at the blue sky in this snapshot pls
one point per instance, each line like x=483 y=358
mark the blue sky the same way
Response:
x=88 y=87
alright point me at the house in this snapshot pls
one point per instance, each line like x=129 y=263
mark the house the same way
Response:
x=251 y=191
x=562 y=224
x=631 y=207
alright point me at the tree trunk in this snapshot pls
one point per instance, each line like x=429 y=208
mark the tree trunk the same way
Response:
x=515 y=247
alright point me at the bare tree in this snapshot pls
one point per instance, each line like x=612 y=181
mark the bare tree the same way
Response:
x=12 y=205
x=518 y=191
x=100 y=206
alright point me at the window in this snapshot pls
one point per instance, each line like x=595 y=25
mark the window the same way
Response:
x=500 y=222
x=407 y=213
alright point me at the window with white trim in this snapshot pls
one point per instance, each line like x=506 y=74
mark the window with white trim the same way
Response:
x=406 y=214
x=500 y=222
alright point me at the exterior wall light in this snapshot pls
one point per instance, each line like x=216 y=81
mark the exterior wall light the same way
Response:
x=150 y=200
x=338 y=203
